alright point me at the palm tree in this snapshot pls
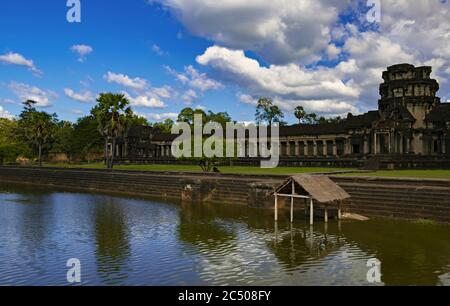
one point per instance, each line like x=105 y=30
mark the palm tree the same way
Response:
x=113 y=115
x=300 y=114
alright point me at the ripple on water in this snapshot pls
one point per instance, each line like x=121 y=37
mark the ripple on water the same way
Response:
x=140 y=242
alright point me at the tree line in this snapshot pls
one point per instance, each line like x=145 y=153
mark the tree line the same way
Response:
x=35 y=133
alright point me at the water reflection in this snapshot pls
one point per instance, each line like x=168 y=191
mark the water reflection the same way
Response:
x=112 y=241
x=134 y=241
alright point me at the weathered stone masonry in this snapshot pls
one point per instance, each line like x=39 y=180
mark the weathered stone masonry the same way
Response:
x=401 y=198
x=410 y=124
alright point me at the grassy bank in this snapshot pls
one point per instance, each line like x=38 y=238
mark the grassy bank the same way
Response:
x=428 y=174
x=193 y=168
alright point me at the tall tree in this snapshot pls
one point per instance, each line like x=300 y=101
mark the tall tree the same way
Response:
x=187 y=115
x=37 y=127
x=63 y=139
x=267 y=112
x=300 y=114
x=165 y=126
x=86 y=138
x=113 y=116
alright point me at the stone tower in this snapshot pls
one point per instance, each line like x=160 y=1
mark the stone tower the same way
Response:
x=408 y=94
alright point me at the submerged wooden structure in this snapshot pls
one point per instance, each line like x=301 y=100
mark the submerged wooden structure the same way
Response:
x=311 y=188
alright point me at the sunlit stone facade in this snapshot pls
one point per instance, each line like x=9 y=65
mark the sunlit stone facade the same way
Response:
x=410 y=121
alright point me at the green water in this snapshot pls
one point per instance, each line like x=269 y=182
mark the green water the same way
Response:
x=135 y=241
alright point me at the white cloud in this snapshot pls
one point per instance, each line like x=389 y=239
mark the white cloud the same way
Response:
x=27 y=92
x=84 y=97
x=5 y=114
x=195 y=79
x=77 y=112
x=146 y=100
x=200 y=107
x=7 y=101
x=282 y=31
x=82 y=51
x=159 y=117
x=294 y=38
x=289 y=85
x=19 y=60
x=158 y=51
x=333 y=52
x=126 y=81
x=189 y=96
x=247 y=99
x=164 y=92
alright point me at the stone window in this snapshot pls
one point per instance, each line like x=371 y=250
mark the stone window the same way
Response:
x=398 y=92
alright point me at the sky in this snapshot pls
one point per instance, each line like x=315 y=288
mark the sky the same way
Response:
x=165 y=55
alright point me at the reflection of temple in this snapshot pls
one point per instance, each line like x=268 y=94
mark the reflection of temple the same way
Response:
x=410 y=122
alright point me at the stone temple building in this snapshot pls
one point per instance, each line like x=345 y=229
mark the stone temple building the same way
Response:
x=411 y=128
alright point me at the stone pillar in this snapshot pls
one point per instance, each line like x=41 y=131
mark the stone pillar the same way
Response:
x=314 y=148
x=305 y=148
x=347 y=146
x=297 y=148
x=288 y=148
x=366 y=146
x=402 y=140
x=335 y=153
x=325 y=148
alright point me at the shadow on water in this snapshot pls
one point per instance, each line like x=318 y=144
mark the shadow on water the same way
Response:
x=112 y=240
x=410 y=253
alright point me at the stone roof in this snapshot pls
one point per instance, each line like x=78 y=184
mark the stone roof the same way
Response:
x=440 y=114
x=164 y=137
x=352 y=122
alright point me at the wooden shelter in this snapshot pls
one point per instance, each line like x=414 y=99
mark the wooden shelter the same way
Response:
x=311 y=188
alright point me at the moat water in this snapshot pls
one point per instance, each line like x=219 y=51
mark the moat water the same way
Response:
x=135 y=241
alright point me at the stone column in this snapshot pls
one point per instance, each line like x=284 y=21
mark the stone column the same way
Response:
x=314 y=148
x=288 y=148
x=325 y=148
x=347 y=144
x=335 y=153
x=305 y=148
x=366 y=145
x=297 y=148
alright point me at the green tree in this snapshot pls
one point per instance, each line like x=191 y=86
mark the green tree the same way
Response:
x=63 y=138
x=300 y=114
x=38 y=128
x=311 y=118
x=11 y=146
x=165 y=126
x=85 y=137
x=187 y=115
x=222 y=118
x=113 y=116
x=267 y=112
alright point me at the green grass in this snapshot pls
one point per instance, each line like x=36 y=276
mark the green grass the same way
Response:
x=193 y=168
x=429 y=174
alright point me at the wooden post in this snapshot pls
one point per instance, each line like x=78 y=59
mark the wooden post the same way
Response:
x=276 y=207
x=339 y=215
x=292 y=201
x=326 y=214
x=311 y=212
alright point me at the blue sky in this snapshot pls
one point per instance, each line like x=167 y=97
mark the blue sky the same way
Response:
x=219 y=55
